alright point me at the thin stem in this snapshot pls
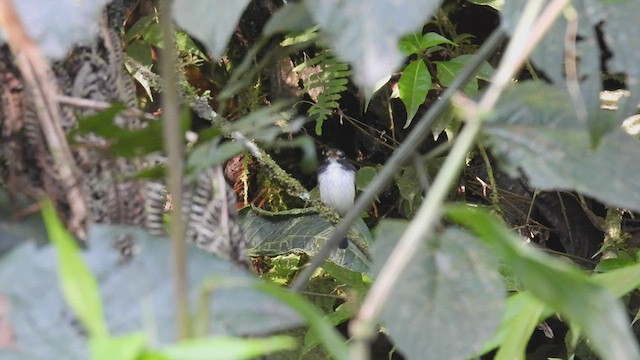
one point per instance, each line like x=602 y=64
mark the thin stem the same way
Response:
x=174 y=149
x=419 y=133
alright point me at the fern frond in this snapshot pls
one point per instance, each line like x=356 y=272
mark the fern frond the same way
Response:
x=325 y=78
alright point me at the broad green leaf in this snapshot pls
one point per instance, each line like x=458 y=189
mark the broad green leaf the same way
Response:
x=212 y=152
x=77 y=22
x=416 y=43
x=449 y=299
x=565 y=160
x=353 y=280
x=522 y=314
x=364 y=176
x=559 y=285
x=607 y=265
x=284 y=233
x=620 y=281
x=152 y=35
x=614 y=24
x=414 y=84
x=210 y=21
x=137 y=29
x=126 y=347
x=185 y=44
x=369 y=40
x=227 y=348
x=78 y=284
x=534 y=130
x=133 y=292
x=140 y=51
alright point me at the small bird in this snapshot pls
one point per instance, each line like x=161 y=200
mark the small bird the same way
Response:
x=336 y=178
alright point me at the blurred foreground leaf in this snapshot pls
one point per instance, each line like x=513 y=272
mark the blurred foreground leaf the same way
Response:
x=558 y=285
x=448 y=301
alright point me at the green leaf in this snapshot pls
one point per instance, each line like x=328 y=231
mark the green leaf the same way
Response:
x=620 y=281
x=449 y=70
x=343 y=313
x=416 y=43
x=212 y=153
x=565 y=160
x=293 y=17
x=414 y=84
x=534 y=130
x=597 y=22
x=152 y=35
x=523 y=313
x=285 y=233
x=227 y=348
x=126 y=347
x=364 y=176
x=185 y=44
x=140 y=51
x=354 y=280
x=449 y=299
x=78 y=285
x=122 y=142
x=210 y=21
x=559 y=285
x=606 y=265
x=363 y=40
x=132 y=293
x=137 y=29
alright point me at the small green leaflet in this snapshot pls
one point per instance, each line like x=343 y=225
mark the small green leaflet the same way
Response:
x=413 y=86
x=416 y=43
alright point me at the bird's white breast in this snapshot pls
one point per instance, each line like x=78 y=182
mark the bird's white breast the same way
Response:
x=337 y=187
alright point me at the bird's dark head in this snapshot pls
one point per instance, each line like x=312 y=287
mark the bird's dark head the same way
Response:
x=336 y=154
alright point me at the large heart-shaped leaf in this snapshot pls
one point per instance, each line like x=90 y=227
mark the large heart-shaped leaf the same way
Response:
x=281 y=234
x=534 y=129
x=449 y=299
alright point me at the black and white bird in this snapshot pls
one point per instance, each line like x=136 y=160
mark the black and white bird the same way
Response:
x=336 y=179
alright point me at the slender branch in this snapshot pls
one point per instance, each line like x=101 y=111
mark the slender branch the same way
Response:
x=174 y=148
x=40 y=81
x=100 y=105
x=419 y=133
x=523 y=41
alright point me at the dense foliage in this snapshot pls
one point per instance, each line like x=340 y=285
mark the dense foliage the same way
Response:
x=495 y=141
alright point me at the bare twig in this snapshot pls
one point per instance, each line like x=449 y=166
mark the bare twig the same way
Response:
x=571 y=63
x=100 y=105
x=174 y=147
x=39 y=78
